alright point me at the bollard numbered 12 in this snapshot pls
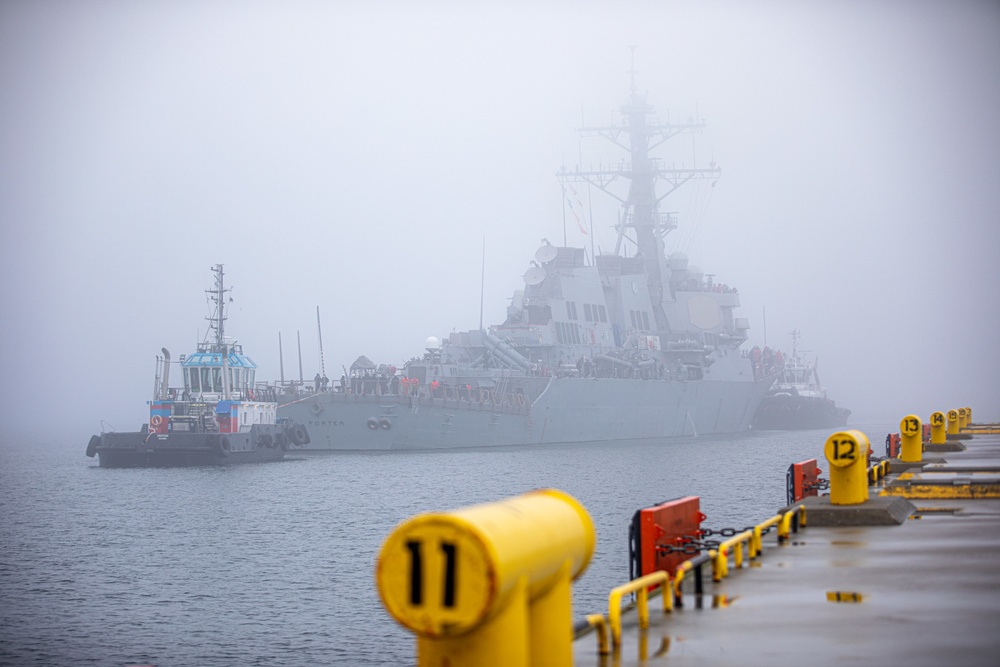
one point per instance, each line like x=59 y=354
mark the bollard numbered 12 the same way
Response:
x=847 y=453
x=489 y=584
x=912 y=449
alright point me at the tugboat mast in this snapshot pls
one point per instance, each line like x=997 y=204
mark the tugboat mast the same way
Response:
x=642 y=223
x=217 y=321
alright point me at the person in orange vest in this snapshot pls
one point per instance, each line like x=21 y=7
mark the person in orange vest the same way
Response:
x=435 y=385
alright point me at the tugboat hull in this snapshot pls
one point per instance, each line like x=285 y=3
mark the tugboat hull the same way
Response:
x=140 y=449
x=793 y=413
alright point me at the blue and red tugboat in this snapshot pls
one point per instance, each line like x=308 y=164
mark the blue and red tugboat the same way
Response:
x=219 y=416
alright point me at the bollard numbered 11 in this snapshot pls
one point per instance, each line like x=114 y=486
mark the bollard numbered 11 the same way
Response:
x=847 y=453
x=489 y=584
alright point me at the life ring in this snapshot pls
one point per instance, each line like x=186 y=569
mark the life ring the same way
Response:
x=385 y=424
x=373 y=424
x=95 y=442
x=155 y=421
x=316 y=408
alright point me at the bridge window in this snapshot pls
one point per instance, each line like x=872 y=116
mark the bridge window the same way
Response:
x=603 y=313
x=206 y=378
x=195 y=385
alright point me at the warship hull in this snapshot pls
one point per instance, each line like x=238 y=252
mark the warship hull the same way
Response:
x=793 y=413
x=138 y=449
x=568 y=410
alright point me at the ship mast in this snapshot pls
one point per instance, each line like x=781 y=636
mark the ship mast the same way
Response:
x=642 y=223
x=217 y=321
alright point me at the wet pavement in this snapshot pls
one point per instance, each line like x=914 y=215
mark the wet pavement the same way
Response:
x=925 y=592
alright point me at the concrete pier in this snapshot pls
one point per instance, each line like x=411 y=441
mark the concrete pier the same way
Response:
x=922 y=592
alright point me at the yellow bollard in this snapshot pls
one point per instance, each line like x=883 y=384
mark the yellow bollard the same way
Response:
x=963 y=419
x=952 y=422
x=489 y=585
x=911 y=446
x=847 y=452
x=968 y=416
x=937 y=429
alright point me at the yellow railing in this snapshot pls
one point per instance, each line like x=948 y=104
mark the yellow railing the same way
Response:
x=600 y=624
x=641 y=587
x=878 y=472
x=671 y=591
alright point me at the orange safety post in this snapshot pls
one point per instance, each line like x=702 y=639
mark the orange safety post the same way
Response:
x=801 y=480
x=656 y=531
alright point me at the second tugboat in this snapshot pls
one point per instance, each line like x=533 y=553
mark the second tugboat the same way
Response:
x=216 y=418
x=798 y=401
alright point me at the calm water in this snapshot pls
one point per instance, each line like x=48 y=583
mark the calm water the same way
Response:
x=272 y=564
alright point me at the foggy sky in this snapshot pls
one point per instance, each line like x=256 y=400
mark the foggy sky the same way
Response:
x=352 y=156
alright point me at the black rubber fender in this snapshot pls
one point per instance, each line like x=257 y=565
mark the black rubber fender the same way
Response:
x=213 y=442
x=302 y=434
x=95 y=441
x=282 y=441
x=225 y=446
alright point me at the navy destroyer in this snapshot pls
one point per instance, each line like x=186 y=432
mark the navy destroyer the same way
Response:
x=217 y=417
x=798 y=400
x=630 y=345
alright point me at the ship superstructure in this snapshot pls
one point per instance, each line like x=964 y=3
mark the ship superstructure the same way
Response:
x=626 y=345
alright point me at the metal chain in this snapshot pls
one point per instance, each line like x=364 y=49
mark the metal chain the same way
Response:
x=691 y=544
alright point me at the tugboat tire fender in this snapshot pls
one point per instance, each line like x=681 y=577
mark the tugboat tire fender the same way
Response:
x=298 y=436
x=282 y=441
x=266 y=441
x=95 y=441
x=224 y=445
x=213 y=442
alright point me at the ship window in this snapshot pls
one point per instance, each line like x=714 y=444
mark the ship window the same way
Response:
x=206 y=379
x=587 y=313
x=576 y=334
x=631 y=314
x=217 y=379
x=249 y=377
x=603 y=313
x=645 y=320
x=193 y=373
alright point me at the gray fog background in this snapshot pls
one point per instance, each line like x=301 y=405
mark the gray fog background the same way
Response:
x=352 y=156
